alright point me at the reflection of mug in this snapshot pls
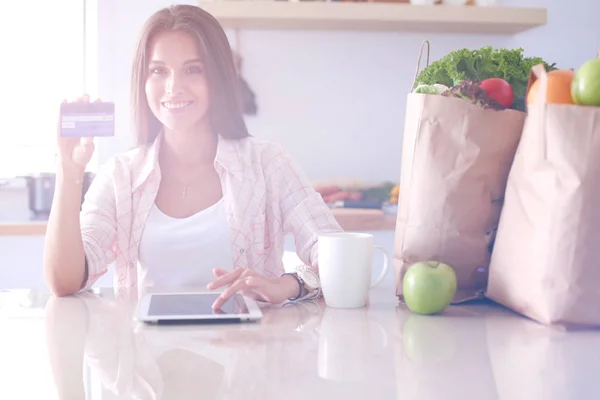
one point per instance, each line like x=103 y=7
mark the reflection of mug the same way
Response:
x=348 y=341
x=345 y=268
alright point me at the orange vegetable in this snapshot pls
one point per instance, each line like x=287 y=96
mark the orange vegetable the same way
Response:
x=559 y=88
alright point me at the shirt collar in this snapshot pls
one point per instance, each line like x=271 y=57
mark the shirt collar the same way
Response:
x=228 y=159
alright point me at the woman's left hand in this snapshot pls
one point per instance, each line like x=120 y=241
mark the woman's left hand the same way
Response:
x=251 y=284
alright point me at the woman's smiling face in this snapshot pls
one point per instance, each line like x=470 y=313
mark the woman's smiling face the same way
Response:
x=176 y=85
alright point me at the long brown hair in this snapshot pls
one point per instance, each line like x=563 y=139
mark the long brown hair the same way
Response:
x=225 y=109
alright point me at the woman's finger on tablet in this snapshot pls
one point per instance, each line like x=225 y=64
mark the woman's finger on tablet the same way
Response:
x=226 y=279
x=237 y=286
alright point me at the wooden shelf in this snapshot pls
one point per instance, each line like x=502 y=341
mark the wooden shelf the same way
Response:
x=369 y=16
x=351 y=219
x=37 y=228
x=348 y=218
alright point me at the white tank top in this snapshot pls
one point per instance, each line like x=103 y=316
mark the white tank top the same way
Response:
x=180 y=252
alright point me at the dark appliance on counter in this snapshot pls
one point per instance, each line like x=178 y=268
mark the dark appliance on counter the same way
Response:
x=40 y=188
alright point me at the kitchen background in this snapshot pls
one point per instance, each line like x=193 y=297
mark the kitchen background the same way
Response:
x=334 y=99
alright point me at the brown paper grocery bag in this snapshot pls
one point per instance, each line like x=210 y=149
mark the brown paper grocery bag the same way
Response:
x=545 y=263
x=455 y=162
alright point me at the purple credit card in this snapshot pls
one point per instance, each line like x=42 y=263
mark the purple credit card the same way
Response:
x=87 y=119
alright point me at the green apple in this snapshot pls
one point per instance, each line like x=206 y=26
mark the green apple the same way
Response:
x=428 y=287
x=585 y=88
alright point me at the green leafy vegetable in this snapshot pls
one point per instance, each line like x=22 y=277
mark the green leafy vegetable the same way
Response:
x=431 y=89
x=440 y=88
x=426 y=89
x=477 y=65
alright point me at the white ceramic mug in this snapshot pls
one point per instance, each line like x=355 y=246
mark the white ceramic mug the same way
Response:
x=345 y=268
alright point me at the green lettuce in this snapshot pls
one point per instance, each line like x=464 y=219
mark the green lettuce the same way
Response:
x=477 y=65
x=426 y=89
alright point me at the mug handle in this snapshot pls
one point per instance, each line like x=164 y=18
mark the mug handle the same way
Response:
x=385 y=266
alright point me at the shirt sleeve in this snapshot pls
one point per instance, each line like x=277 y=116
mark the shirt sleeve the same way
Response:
x=98 y=224
x=304 y=213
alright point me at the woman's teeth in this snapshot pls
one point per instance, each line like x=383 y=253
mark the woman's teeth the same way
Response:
x=176 y=106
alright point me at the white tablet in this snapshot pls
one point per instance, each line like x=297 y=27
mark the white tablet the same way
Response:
x=195 y=307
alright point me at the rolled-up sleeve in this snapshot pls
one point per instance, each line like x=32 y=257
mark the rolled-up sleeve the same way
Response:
x=305 y=215
x=98 y=224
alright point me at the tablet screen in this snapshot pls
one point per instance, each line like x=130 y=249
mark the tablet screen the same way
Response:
x=194 y=304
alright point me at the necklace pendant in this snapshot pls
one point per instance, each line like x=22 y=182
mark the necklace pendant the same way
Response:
x=184 y=192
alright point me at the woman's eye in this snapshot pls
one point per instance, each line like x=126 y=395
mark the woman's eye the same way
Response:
x=156 y=70
x=195 y=69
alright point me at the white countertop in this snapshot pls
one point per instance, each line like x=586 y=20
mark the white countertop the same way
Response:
x=89 y=347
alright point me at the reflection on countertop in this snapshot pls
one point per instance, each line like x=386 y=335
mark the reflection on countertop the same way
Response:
x=90 y=346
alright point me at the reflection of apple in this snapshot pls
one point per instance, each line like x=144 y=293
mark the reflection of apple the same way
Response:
x=428 y=339
x=586 y=85
x=428 y=287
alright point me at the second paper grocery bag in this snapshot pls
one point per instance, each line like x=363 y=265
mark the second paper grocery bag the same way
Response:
x=545 y=261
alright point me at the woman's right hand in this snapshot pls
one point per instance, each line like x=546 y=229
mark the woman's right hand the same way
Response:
x=75 y=153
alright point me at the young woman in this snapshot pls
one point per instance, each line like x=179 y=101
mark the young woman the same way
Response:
x=199 y=202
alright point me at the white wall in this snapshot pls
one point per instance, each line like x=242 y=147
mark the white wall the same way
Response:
x=321 y=92
x=343 y=90
x=572 y=35
x=318 y=92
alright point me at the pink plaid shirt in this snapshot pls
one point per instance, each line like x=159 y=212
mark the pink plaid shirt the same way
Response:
x=265 y=193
